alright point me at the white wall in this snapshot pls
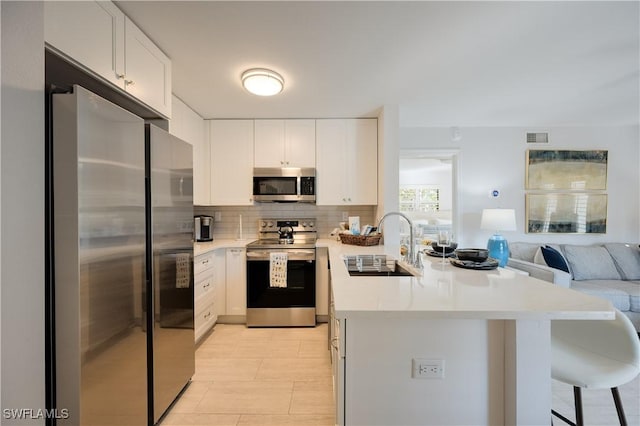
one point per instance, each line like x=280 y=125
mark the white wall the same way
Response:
x=388 y=176
x=22 y=207
x=494 y=158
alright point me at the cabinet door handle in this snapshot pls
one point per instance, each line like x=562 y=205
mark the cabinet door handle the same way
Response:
x=129 y=82
x=208 y=314
x=204 y=262
x=120 y=76
x=206 y=285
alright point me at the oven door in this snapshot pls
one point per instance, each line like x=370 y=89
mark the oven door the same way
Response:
x=301 y=280
x=293 y=305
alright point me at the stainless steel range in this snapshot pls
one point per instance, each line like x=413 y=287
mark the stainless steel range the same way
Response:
x=281 y=274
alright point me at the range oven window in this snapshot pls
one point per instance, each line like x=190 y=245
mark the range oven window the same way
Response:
x=299 y=292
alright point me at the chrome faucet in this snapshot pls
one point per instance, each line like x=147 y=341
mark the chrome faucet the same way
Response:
x=414 y=259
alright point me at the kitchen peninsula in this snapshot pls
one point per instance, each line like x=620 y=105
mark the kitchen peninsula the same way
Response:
x=487 y=332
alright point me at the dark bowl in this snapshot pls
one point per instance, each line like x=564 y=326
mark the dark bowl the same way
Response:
x=447 y=250
x=472 y=254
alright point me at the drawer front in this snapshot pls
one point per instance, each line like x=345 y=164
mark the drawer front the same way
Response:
x=204 y=284
x=205 y=318
x=203 y=262
x=203 y=302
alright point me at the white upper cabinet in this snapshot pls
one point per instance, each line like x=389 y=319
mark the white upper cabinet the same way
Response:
x=347 y=161
x=97 y=36
x=91 y=33
x=285 y=143
x=147 y=70
x=187 y=125
x=231 y=144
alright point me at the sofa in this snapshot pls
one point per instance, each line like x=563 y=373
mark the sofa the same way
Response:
x=609 y=270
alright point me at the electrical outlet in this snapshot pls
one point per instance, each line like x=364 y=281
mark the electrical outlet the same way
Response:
x=422 y=368
x=217 y=216
x=345 y=216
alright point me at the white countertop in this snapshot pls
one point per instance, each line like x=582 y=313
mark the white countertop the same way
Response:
x=448 y=292
x=203 y=247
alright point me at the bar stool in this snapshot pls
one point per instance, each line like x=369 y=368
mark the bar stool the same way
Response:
x=594 y=355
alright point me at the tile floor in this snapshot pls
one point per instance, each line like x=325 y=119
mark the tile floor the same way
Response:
x=259 y=376
x=282 y=376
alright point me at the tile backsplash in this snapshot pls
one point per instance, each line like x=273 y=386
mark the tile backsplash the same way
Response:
x=327 y=217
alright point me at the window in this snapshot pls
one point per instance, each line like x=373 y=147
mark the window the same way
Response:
x=419 y=198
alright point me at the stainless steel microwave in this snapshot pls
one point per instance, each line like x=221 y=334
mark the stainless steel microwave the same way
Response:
x=284 y=185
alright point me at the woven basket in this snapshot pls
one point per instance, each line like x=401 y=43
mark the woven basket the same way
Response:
x=360 y=240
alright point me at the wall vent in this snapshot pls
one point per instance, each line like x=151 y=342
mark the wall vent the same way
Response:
x=541 y=137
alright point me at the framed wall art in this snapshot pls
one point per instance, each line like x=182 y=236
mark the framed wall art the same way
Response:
x=566 y=213
x=566 y=170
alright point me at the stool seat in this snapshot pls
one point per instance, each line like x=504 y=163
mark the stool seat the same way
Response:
x=580 y=367
x=594 y=355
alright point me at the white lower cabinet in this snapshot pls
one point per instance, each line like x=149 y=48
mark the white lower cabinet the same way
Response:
x=209 y=291
x=219 y=279
x=204 y=294
x=322 y=283
x=236 y=281
x=204 y=318
x=337 y=347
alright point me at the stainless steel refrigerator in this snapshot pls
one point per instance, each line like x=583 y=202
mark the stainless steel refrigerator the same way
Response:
x=123 y=258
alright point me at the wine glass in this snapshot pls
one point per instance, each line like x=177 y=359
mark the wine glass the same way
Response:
x=444 y=241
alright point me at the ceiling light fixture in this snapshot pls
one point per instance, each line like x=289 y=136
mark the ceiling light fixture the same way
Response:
x=262 y=82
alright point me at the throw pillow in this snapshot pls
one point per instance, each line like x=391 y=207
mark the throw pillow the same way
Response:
x=626 y=258
x=590 y=263
x=554 y=258
x=538 y=259
x=523 y=251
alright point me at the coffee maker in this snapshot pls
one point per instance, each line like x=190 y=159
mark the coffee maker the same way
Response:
x=203 y=228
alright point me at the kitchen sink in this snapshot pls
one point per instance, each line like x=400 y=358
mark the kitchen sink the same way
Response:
x=374 y=266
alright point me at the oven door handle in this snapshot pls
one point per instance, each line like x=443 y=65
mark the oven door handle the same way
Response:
x=293 y=254
x=257 y=255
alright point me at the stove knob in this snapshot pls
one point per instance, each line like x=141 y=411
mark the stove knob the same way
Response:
x=304 y=224
x=311 y=224
x=270 y=224
x=263 y=224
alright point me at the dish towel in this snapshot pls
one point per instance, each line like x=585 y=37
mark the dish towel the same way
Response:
x=183 y=270
x=278 y=269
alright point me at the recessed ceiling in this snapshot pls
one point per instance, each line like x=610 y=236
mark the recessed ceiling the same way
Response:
x=442 y=63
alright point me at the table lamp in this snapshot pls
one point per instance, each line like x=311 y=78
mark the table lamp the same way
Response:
x=497 y=220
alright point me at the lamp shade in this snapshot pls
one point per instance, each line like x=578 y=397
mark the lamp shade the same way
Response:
x=498 y=220
x=262 y=82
